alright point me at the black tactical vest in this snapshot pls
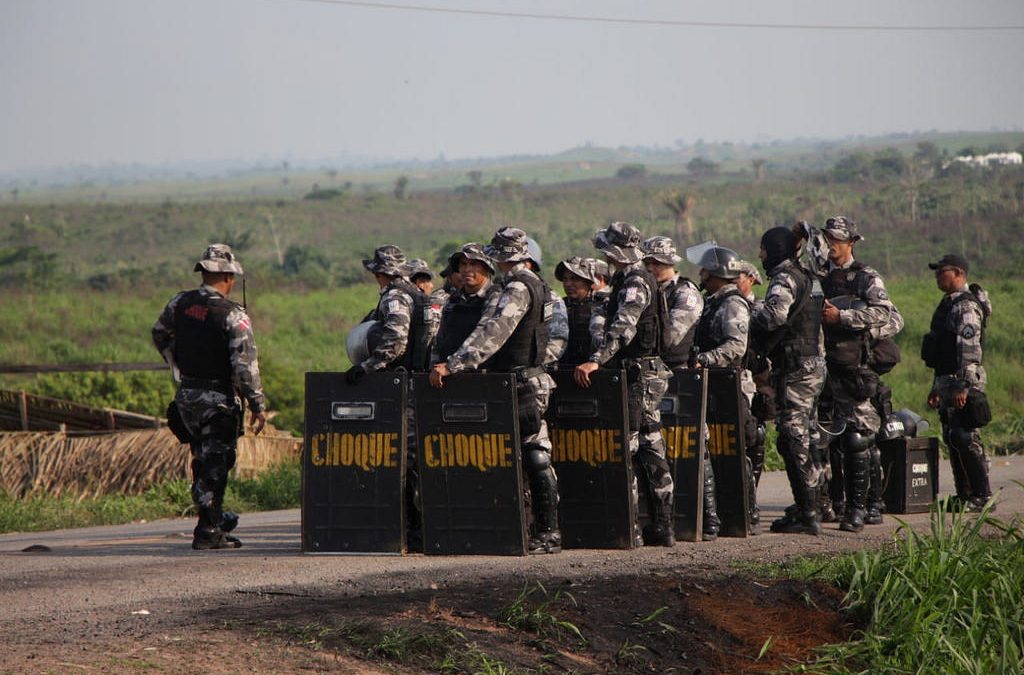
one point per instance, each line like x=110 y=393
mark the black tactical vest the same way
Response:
x=580 y=345
x=460 y=316
x=939 y=347
x=647 y=341
x=201 y=336
x=844 y=348
x=704 y=338
x=678 y=356
x=527 y=345
x=797 y=339
x=417 y=349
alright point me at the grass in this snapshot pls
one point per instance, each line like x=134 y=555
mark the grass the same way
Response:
x=533 y=611
x=277 y=488
x=943 y=601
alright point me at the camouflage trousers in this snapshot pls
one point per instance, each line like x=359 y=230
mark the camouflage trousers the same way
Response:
x=855 y=412
x=212 y=419
x=966 y=452
x=796 y=401
x=536 y=446
x=647 y=382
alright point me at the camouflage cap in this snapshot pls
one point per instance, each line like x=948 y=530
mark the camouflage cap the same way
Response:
x=581 y=267
x=218 y=258
x=751 y=271
x=388 y=259
x=660 y=249
x=619 y=241
x=601 y=268
x=508 y=245
x=471 y=251
x=841 y=228
x=418 y=267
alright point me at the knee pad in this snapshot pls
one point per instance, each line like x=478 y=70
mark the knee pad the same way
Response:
x=853 y=441
x=960 y=439
x=536 y=460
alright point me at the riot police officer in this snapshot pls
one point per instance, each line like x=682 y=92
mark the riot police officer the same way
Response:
x=632 y=340
x=682 y=299
x=208 y=341
x=578 y=279
x=465 y=306
x=787 y=328
x=856 y=309
x=558 y=323
x=953 y=348
x=512 y=337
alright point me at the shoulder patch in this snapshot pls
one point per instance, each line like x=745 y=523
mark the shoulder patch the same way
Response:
x=394 y=306
x=968 y=332
x=632 y=294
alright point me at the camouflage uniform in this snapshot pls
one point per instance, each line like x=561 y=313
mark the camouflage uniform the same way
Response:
x=210 y=340
x=558 y=329
x=625 y=344
x=792 y=309
x=508 y=306
x=865 y=311
x=954 y=349
x=395 y=313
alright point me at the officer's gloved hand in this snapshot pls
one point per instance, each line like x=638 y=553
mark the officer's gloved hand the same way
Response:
x=355 y=374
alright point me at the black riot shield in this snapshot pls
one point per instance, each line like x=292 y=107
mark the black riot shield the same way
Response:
x=682 y=425
x=726 y=419
x=589 y=431
x=353 y=465
x=470 y=467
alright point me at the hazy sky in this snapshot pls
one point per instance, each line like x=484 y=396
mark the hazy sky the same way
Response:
x=94 y=81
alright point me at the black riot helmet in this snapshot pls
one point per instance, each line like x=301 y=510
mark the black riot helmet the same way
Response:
x=720 y=262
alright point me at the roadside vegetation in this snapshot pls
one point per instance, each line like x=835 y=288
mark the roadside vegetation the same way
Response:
x=277 y=488
x=943 y=601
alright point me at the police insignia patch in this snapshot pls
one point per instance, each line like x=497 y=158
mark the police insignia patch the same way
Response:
x=690 y=302
x=632 y=295
x=967 y=332
x=394 y=306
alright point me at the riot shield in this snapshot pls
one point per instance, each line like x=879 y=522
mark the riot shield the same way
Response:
x=589 y=431
x=470 y=466
x=353 y=464
x=682 y=425
x=726 y=417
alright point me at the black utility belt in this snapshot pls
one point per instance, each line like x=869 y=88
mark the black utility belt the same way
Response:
x=211 y=385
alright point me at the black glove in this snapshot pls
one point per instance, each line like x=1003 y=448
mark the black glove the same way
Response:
x=354 y=375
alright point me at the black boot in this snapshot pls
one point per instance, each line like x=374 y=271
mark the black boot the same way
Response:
x=803 y=518
x=977 y=474
x=856 y=471
x=711 y=522
x=753 y=513
x=836 y=486
x=875 y=505
x=961 y=484
x=544 y=489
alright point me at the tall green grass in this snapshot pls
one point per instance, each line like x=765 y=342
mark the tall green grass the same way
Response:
x=277 y=488
x=944 y=601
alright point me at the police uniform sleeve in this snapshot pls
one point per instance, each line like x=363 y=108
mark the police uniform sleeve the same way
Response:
x=684 y=312
x=597 y=322
x=731 y=326
x=778 y=301
x=244 y=363
x=395 y=318
x=558 y=329
x=163 y=329
x=501 y=315
x=879 y=311
x=966 y=320
x=634 y=296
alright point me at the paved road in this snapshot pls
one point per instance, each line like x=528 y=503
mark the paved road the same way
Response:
x=91 y=580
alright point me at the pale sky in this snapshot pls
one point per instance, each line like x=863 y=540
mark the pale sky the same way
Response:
x=150 y=81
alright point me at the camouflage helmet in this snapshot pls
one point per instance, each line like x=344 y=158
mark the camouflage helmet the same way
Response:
x=721 y=262
x=218 y=258
x=387 y=259
x=418 y=267
x=471 y=251
x=509 y=244
x=620 y=242
x=581 y=267
x=660 y=249
x=536 y=255
x=841 y=228
x=751 y=271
